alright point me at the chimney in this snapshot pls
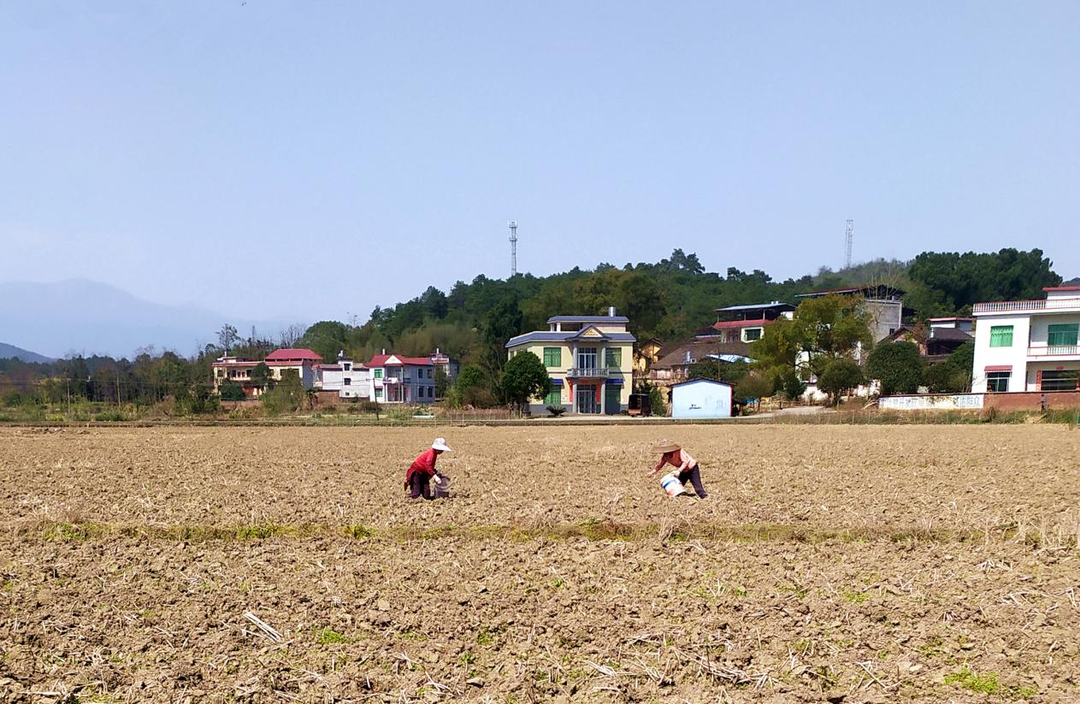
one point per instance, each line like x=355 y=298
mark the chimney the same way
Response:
x=611 y=311
x=384 y=350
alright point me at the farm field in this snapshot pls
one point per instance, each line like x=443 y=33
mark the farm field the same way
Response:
x=829 y=563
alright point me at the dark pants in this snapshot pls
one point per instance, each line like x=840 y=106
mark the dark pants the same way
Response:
x=421 y=486
x=694 y=475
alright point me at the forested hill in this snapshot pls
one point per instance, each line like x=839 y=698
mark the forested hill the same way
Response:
x=668 y=300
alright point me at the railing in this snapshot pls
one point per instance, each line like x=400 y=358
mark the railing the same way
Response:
x=1025 y=306
x=1054 y=351
x=589 y=373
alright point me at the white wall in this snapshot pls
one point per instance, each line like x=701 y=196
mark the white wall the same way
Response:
x=701 y=400
x=987 y=356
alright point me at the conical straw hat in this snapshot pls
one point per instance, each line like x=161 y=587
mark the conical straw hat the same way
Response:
x=665 y=447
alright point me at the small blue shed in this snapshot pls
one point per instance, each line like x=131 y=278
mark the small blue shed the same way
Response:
x=701 y=398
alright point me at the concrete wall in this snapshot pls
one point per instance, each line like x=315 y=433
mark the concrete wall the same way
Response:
x=1032 y=400
x=1015 y=356
x=1014 y=401
x=701 y=400
x=927 y=402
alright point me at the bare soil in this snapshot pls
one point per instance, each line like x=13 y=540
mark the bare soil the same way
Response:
x=855 y=564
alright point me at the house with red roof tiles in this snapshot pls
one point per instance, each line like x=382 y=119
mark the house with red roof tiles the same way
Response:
x=400 y=379
x=300 y=360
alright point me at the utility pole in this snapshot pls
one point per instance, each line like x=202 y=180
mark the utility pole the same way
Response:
x=513 y=248
x=849 y=234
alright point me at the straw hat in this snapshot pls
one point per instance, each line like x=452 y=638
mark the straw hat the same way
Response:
x=440 y=445
x=664 y=447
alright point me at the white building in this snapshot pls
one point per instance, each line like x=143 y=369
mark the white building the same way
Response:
x=349 y=379
x=701 y=398
x=1028 y=345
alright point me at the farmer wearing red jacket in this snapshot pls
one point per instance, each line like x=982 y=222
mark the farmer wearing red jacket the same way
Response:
x=418 y=478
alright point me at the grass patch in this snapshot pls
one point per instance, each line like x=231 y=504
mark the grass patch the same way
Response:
x=856 y=597
x=358 y=531
x=326 y=636
x=986 y=683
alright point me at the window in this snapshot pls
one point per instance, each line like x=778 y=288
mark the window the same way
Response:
x=552 y=357
x=613 y=358
x=1060 y=380
x=998 y=381
x=1001 y=336
x=348 y=367
x=378 y=394
x=347 y=381
x=554 y=397
x=751 y=334
x=1063 y=335
x=586 y=357
x=378 y=373
x=430 y=373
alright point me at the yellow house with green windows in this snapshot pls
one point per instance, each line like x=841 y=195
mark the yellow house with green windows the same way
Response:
x=590 y=359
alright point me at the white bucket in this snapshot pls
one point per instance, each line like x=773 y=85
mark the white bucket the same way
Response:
x=672 y=485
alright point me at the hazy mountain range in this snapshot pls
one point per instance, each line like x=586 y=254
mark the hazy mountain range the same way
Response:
x=87 y=317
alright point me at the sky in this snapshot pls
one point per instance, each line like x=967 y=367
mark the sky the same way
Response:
x=311 y=160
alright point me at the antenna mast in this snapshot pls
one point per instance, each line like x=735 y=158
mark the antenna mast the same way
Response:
x=513 y=248
x=849 y=234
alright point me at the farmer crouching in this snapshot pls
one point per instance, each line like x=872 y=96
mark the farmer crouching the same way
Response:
x=422 y=471
x=686 y=467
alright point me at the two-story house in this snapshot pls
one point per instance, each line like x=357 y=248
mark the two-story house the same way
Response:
x=346 y=377
x=589 y=359
x=300 y=360
x=399 y=379
x=745 y=323
x=1028 y=345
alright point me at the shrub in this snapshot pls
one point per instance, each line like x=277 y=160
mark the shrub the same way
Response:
x=899 y=367
x=839 y=377
x=231 y=391
x=556 y=410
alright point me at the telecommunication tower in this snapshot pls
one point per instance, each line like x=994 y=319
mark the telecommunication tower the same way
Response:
x=849 y=234
x=513 y=247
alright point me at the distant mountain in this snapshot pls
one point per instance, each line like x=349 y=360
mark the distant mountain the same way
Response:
x=12 y=352
x=88 y=317
x=1072 y=282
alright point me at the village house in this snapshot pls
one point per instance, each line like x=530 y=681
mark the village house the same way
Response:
x=936 y=342
x=400 y=379
x=589 y=359
x=1028 y=345
x=348 y=379
x=300 y=360
x=885 y=304
x=674 y=366
x=746 y=323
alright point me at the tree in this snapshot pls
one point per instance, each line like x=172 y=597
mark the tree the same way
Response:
x=327 y=338
x=839 y=377
x=501 y=323
x=954 y=374
x=260 y=374
x=898 y=366
x=751 y=386
x=288 y=394
x=524 y=378
x=231 y=391
x=472 y=387
x=442 y=382
x=227 y=337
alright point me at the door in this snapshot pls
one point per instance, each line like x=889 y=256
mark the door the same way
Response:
x=585 y=395
x=612 y=392
x=586 y=358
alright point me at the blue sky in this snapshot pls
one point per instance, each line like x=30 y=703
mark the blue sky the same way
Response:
x=308 y=160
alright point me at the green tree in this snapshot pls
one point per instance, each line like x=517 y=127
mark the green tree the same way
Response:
x=327 y=338
x=752 y=385
x=227 y=337
x=260 y=374
x=287 y=396
x=501 y=323
x=898 y=366
x=231 y=391
x=954 y=374
x=472 y=387
x=839 y=377
x=442 y=382
x=524 y=378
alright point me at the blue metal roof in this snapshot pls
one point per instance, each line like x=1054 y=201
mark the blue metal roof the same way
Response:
x=588 y=319
x=564 y=336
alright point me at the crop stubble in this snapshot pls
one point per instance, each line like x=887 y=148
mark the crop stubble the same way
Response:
x=878 y=563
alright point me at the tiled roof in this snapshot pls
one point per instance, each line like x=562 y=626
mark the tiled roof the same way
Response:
x=700 y=349
x=382 y=360
x=293 y=353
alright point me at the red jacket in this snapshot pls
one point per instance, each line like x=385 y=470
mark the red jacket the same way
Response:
x=424 y=464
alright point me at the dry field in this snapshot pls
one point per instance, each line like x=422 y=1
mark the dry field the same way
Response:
x=854 y=564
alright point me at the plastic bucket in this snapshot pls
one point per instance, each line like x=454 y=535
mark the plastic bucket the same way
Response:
x=442 y=489
x=671 y=484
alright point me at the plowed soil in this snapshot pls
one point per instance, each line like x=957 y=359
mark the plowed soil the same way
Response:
x=854 y=564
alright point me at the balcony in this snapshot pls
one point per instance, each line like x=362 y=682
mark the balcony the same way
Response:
x=1054 y=351
x=1052 y=304
x=588 y=373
